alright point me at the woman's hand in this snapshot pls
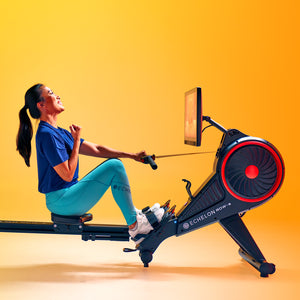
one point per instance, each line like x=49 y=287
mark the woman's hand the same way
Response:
x=66 y=170
x=75 y=131
x=138 y=156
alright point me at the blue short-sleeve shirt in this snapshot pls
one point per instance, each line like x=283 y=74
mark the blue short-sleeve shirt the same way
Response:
x=53 y=146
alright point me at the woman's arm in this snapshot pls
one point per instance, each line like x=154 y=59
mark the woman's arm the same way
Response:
x=91 y=149
x=67 y=169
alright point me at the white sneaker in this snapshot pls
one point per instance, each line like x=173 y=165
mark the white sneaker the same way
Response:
x=142 y=228
x=156 y=209
x=159 y=212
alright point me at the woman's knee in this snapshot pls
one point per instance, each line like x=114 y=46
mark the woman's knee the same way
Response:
x=107 y=171
x=113 y=166
x=114 y=163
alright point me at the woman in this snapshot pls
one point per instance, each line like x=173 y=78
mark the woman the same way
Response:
x=57 y=157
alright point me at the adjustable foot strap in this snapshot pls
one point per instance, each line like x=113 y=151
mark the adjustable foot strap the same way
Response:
x=151 y=217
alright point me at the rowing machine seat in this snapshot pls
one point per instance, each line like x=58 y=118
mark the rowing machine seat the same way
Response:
x=71 y=220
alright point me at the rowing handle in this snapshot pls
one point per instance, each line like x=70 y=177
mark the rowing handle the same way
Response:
x=149 y=159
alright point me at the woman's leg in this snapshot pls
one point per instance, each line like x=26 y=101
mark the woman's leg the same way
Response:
x=82 y=196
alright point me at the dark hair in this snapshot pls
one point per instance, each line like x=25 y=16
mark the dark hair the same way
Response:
x=32 y=97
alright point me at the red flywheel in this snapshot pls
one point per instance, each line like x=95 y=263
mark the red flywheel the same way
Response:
x=252 y=171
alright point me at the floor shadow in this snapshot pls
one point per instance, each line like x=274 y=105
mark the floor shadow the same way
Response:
x=103 y=272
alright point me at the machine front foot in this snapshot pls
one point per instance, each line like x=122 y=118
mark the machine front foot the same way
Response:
x=264 y=267
x=146 y=257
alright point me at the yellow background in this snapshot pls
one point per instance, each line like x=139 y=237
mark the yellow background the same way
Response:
x=121 y=69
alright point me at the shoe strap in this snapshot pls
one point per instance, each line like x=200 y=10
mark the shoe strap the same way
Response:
x=152 y=218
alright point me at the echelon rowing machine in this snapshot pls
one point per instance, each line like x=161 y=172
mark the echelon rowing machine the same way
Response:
x=247 y=172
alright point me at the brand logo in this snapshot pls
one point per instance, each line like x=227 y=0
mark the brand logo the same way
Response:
x=121 y=188
x=186 y=226
x=207 y=215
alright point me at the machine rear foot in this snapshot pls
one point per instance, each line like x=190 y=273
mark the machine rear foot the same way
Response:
x=266 y=269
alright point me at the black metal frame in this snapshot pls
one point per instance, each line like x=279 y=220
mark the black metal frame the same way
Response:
x=88 y=232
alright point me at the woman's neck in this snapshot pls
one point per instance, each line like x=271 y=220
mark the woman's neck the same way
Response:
x=51 y=119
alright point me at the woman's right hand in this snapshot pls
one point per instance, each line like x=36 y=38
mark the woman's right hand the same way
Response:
x=66 y=169
x=138 y=156
x=75 y=131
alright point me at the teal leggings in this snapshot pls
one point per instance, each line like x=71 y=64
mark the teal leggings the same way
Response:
x=82 y=196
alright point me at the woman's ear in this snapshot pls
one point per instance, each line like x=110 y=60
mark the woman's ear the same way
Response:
x=40 y=105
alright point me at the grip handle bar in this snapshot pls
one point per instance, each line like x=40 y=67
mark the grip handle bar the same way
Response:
x=149 y=159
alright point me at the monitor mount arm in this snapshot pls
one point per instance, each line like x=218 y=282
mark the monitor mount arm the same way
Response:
x=213 y=123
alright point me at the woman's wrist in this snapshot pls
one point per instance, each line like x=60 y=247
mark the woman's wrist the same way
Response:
x=128 y=155
x=77 y=142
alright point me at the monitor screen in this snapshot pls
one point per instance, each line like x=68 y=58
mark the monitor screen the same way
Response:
x=193 y=117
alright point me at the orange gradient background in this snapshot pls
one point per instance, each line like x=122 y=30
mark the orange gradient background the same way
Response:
x=121 y=69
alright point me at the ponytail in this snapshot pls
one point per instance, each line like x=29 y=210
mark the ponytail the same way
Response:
x=24 y=136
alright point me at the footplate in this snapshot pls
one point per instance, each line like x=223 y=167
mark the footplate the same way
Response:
x=167 y=227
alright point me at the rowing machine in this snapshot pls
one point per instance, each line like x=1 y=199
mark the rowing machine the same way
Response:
x=247 y=172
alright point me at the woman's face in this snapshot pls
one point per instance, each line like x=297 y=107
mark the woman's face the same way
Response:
x=51 y=103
